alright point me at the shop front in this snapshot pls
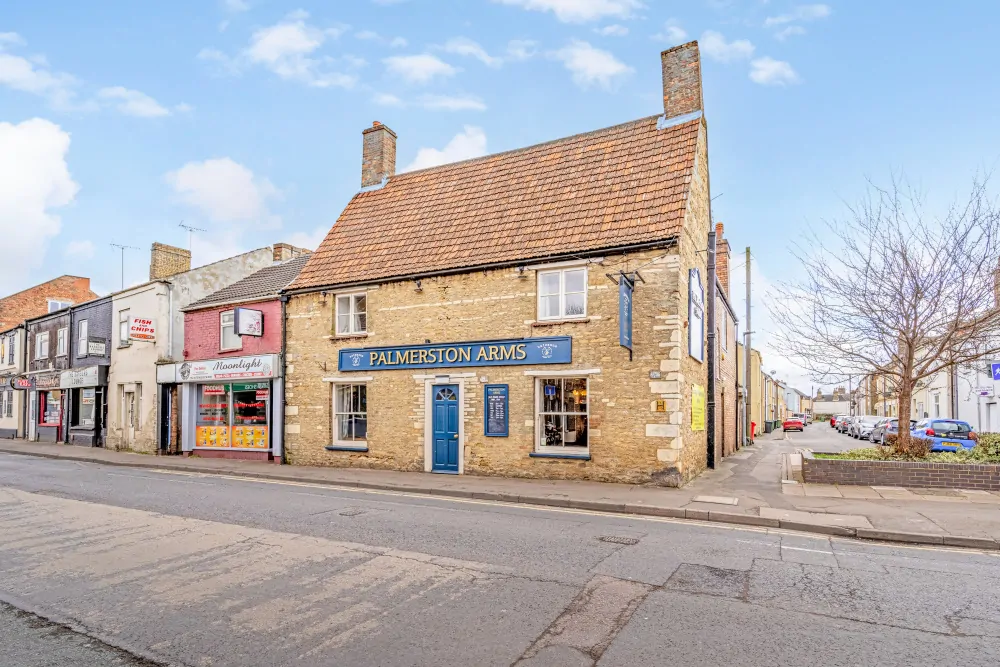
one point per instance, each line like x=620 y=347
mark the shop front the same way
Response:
x=231 y=408
x=86 y=397
x=47 y=407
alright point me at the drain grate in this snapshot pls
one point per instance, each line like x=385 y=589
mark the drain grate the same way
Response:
x=619 y=539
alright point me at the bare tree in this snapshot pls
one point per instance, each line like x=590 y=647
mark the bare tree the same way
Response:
x=895 y=292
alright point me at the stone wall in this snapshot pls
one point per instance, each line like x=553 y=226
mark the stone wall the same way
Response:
x=914 y=474
x=628 y=435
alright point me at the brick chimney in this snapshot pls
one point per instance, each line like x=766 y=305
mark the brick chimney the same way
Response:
x=722 y=253
x=681 y=80
x=378 y=154
x=282 y=252
x=167 y=260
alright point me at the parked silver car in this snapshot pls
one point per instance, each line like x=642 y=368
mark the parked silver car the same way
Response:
x=862 y=427
x=886 y=427
x=843 y=423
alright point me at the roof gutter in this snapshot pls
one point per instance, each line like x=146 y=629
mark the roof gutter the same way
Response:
x=662 y=243
x=232 y=302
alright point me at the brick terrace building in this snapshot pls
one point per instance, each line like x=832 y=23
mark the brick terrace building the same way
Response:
x=46 y=297
x=470 y=318
x=232 y=373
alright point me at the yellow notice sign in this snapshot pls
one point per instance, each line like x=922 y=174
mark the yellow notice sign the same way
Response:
x=697 y=407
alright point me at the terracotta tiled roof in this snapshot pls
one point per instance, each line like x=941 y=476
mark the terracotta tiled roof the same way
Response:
x=267 y=282
x=619 y=186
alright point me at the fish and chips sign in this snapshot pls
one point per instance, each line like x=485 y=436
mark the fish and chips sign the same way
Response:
x=142 y=329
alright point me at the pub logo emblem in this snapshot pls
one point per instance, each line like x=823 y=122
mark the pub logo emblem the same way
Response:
x=185 y=370
x=355 y=359
x=546 y=350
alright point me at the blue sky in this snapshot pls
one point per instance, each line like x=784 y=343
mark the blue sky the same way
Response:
x=243 y=117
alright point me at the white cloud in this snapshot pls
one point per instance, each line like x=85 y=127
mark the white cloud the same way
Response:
x=521 y=49
x=672 y=35
x=613 y=30
x=387 y=100
x=34 y=180
x=81 y=249
x=787 y=32
x=592 y=66
x=714 y=45
x=225 y=191
x=463 y=46
x=469 y=143
x=419 y=68
x=579 y=11
x=288 y=49
x=770 y=72
x=800 y=13
x=32 y=75
x=452 y=103
x=183 y=108
x=433 y=102
x=371 y=35
x=132 y=102
x=309 y=240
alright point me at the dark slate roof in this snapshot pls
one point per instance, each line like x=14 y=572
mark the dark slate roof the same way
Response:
x=267 y=282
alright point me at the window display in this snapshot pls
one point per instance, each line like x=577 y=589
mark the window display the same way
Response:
x=49 y=410
x=233 y=415
x=563 y=412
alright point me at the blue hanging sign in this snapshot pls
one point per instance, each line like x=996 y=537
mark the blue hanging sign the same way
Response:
x=495 y=414
x=511 y=352
x=625 y=287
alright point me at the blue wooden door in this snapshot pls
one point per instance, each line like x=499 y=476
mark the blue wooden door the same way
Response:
x=445 y=428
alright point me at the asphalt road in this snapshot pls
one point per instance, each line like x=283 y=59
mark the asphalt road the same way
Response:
x=819 y=437
x=202 y=570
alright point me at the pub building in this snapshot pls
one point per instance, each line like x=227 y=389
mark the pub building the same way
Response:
x=12 y=386
x=231 y=388
x=520 y=314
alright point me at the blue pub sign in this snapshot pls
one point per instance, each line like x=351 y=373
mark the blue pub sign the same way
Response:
x=510 y=352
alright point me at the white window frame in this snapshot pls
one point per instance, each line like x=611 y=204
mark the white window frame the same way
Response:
x=62 y=341
x=336 y=413
x=568 y=450
x=231 y=325
x=123 y=327
x=82 y=336
x=41 y=339
x=351 y=314
x=561 y=272
x=59 y=304
x=11 y=347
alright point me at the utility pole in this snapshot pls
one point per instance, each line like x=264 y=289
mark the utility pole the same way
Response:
x=746 y=360
x=190 y=230
x=123 y=248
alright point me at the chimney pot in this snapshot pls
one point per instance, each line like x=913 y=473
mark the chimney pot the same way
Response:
x=681 y=80
x=378 y=154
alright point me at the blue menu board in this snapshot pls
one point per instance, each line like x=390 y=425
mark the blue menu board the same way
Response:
x=495 y=415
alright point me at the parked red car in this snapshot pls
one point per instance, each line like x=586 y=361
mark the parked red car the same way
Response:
x=793 y=424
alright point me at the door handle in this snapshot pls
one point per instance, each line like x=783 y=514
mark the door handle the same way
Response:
x=455 y=436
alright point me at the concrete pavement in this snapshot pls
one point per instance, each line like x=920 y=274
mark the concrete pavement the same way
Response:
x=746 y=488
x=195 y=569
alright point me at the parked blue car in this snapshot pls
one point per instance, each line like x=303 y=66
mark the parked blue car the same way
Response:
x=947 y=435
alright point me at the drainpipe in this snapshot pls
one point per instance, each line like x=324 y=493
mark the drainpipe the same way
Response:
x=284 y=374
x=710 y=356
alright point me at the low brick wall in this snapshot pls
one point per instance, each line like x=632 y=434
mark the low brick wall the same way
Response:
x=901 y=473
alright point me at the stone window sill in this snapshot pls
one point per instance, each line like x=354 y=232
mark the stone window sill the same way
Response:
x=552 y=323
x=346 y=336
x=557 y=455
x=347 y=448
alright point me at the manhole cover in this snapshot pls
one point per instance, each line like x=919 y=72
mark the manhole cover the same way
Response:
x=619 y=539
